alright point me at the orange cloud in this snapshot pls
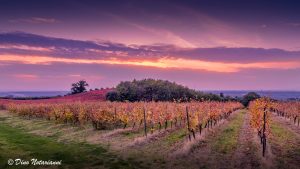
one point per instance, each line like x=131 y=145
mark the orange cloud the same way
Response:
x=26 y=76
x=167 y=62
x=75 y=75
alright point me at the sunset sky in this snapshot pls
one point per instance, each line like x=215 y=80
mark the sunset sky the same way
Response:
x=205 y=45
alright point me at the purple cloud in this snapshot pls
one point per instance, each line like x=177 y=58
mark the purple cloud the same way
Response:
x=30 y=44
x=35 y=20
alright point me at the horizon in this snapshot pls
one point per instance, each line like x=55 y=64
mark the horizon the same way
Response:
x=204 y=45
x=88 y=89
x=275 y=94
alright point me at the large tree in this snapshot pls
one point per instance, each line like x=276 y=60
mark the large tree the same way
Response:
x=79 y=87
x=156 y=90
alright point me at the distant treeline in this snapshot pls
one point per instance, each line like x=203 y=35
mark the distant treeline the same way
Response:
x=158 y=90
x=29 y=98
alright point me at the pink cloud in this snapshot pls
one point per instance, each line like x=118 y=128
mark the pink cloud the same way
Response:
x=162 y=63
x=26 y=76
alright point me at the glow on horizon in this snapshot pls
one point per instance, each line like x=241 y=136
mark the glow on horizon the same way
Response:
x=164 y=63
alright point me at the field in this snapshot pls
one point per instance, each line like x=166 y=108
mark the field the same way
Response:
x=150 y=135
x=95 y=95
x=141 y=84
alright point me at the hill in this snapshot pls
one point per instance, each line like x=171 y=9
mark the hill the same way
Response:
x=95 y=95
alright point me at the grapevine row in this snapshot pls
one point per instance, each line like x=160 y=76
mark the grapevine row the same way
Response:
x=260 y=119
x=289 y=110
x=260 y=110
x=111 y=115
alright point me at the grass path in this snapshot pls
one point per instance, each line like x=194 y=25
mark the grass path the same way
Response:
x=285 y=145
x=217 y=148
x=165 y=151
x=18 y=143
x=247 y=154
x=287 y=123
x=225 y=144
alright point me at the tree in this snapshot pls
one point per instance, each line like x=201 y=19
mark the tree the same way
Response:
x=249 y=97
x=112 y=96
x=79 y=87
x=156 y=90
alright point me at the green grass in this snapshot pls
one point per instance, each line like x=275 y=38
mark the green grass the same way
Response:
x=175 y=137
x=154 y=154
x=129 y=134
x=281 y=134
x=227 y=141
x=17 y=143
x=288 y=144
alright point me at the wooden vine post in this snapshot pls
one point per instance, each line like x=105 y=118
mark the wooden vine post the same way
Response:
x=145 y=123
x=200 y=128
x=115 y=114
x=188 y=121
x=264 y=139
x=298 y=117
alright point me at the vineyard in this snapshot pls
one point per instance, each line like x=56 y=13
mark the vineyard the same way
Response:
x=288 y=110
x=169 y=131
x=261 y=110
x=151 y=116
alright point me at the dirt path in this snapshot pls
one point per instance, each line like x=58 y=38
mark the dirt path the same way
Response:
x=247 y=155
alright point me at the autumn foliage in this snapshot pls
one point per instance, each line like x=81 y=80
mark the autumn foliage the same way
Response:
x=110 y=115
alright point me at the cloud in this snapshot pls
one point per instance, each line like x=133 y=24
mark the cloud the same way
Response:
x=24 y=44
x=26 y=76
x=75 y=75
x=35 y=20
x=176 y=39
x=166 y=34
x=164 y=63
x=263 y=26
x=239 y=55
x=295 y=24
x=111 y=75
x=36 y=49
x=25 y=47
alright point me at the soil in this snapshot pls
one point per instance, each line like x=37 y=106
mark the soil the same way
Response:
x=246 y=155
